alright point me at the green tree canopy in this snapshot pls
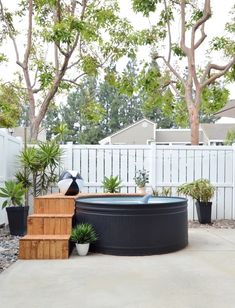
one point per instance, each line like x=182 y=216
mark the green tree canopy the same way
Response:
x=10 y=108
x=61 y=43
x=196 y=88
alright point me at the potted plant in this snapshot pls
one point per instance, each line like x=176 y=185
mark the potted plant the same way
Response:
x=202 y=191
x=166 y=192
x=83 y=234
x=141 y=179
x=111 y=184
x=17 y=213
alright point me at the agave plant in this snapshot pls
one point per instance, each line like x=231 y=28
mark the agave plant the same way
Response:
x=83 y=233
x=111 y=184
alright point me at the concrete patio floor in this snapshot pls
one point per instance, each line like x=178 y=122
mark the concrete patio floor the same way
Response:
x=202 y=275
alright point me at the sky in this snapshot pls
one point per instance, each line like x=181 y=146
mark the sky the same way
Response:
x=214 y=27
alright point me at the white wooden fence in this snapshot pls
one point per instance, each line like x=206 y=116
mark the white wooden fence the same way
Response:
x=10 y=147
x=169 y=166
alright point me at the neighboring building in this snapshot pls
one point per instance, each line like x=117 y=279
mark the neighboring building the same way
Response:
x=216 y=133
x=141 y=132
x=228 y=111
x=146 y=132
x=176 y=136
x=20 y=132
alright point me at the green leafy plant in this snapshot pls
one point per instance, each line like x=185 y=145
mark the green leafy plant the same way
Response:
x=111 y=184
x=39 y=166
x=166 y=192
x=61 y=131
x=14 y=192
x=200 y=190
x=141 y=178
x=155 y=192
x=83 y=233
x=230 y=137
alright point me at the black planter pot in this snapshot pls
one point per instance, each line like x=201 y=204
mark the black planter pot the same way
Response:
x=17 y=218
x=204 y=212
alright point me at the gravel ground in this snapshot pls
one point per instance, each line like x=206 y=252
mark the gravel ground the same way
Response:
x=9 y=245
x=218 y=224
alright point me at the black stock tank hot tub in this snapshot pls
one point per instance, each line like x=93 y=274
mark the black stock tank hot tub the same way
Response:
x=127 y=226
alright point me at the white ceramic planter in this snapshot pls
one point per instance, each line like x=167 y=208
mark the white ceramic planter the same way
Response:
x=141 y=190
x=82 y=249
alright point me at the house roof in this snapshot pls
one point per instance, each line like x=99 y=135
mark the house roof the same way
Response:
x=228 y=110
x=176 y=135
x=126 y=128
x=217 y=131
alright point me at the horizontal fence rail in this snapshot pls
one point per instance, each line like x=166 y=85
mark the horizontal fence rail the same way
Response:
x=168 y=166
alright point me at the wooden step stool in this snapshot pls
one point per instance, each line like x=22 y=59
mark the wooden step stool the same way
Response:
x=49 y=228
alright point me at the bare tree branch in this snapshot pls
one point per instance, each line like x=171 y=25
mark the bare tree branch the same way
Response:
x=169 y=35
x=170 y=67
x=11 y=35
x=35 y=78
x=222 y=70
x=183 y=34
x=201 y=39
x=205 y=17
x=29 y=34
x=35 y=91
x=172 y=83
x=73 y=64
x=191 y=56
x=71 y=81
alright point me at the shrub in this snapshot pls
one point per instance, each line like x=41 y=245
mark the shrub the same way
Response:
x=200 y=190
x=111 y=184
x=83 y=233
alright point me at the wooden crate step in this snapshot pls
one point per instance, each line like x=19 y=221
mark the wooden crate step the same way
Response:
x=46 y=224
x=43 y=205
x=52 y=215
x=44 y=247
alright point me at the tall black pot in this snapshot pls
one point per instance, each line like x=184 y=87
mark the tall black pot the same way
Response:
x=17 y=218
x=204 y=212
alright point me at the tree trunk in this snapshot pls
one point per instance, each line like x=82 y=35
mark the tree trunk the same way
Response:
x=34 y=129
x=194 y=124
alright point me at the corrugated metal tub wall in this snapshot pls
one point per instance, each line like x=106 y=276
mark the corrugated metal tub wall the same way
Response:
x=126 y=226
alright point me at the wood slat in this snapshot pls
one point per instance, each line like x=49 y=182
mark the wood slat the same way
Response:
x=34 y=249
x=57 y=225
x=52 y=249
x=46 y=249
x=40 y=253
x=58 y=250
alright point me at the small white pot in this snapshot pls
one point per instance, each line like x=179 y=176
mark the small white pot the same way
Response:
x=141 y=190
x=82 y=249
